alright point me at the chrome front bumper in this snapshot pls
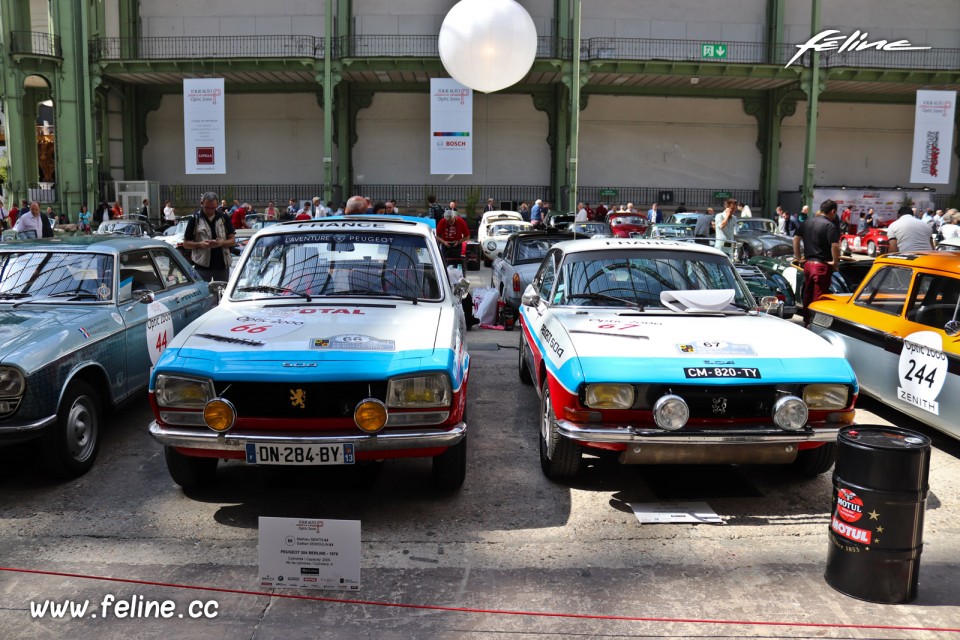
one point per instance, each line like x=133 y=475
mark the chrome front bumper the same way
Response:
x=626 y=434
x=391 y=440
x=14 y=431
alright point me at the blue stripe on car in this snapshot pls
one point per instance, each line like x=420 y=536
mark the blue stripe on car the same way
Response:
x=238 y=366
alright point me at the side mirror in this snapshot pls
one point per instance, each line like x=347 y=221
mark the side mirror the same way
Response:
x=952 y=328
x=143 y=296
x=530 y=297
x=769 y=303
x=461 y=288
x=499 y=254
x=216 y=288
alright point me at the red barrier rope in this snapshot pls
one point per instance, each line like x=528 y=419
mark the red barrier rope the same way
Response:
x=506 y=612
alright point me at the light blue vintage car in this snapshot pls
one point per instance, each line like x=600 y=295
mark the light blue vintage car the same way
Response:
x=82 y=321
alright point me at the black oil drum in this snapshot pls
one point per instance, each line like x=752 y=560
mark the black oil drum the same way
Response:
x=876 y=524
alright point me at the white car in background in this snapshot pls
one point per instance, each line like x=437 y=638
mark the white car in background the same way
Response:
x=495 y=228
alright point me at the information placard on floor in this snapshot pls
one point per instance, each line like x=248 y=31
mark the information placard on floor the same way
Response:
x=675 y=512
x=306 y=553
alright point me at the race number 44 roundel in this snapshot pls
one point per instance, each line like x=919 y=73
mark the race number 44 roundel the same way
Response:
x=159 y=330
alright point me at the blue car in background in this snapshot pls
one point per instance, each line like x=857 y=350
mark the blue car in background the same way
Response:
x=82 y=321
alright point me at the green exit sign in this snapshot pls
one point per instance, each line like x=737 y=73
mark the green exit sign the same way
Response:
x=608 y=193
x=722 y=194
x=715 y=50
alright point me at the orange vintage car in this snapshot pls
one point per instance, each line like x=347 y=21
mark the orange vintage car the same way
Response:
x=901 y=333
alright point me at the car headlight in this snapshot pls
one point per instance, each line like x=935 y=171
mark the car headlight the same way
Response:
x=11 y=382
x=825 y=396
x=491 y=245
x=419 y=392
x=219 y=414
x=608 y=396
x=183 y=393
x=790 y=413
x=671 y=412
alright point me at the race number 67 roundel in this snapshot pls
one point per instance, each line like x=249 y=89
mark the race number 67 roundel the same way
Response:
x=159 y=330
x=922 y=370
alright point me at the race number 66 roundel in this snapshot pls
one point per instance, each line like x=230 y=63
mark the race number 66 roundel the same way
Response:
x=159 y=330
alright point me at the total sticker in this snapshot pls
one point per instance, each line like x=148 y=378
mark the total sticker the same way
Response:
x=159 y=329
x=922 y=370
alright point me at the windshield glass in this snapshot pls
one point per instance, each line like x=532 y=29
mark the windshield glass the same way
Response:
x=755 y=226
x=126 y=228
x=589 y=227
x=635 y=220
x=638 y=277
x=534 y=249
x=88 y=276
x=507 y=229
x=671 y=231
x=339 y=264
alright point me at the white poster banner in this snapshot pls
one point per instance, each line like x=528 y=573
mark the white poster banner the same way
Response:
x=933 y=137
x=884 y=202
x=204 y=126
x=451 y=127
x=308 y=553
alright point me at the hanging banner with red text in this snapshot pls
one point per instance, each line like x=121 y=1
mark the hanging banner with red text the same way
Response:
x=451 y=127
x=933 y=137
x=204 y=127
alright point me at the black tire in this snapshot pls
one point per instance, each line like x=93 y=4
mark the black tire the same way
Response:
x=872 y=249
x=190 y=472
x=522 y=370
x=487 y=263
x=450 y=467
x=813 y=462
x=69 y=447
x=559 y=456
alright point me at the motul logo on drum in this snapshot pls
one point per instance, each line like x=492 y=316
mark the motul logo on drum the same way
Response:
x=851 y=533
x=849 y=505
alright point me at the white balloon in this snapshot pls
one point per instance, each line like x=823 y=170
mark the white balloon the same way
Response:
x=488 y=45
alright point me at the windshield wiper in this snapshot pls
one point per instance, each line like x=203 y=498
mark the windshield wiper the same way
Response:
x=370 y=292
x=10 y=295
x=603 y=296
x=263 y=288
x=74 y=295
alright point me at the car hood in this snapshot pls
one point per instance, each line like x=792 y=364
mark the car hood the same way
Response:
x=258 y=332
x=31 y=336
x=639 y=347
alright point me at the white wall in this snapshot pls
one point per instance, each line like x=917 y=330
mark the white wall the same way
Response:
x=271 y=139
x=671 y=142
x=922 y=22
x=231 y=18
x=857 y=145
x=393 y=146
x=424 y=17
x=740 y=21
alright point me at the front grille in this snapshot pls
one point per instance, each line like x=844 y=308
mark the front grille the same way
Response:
x=721 y=402
x=319 y=399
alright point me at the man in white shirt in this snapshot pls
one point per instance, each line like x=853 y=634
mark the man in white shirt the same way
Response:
x=34 y=221
x=908 y=233
x=745 y=211
x=581 y=213
x=950 y=227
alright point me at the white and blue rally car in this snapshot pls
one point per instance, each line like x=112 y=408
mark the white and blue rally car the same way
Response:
x=338 y=340
x=657 y=350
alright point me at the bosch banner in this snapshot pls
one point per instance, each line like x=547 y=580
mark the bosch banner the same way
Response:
x=933 y=137
x=451 y=127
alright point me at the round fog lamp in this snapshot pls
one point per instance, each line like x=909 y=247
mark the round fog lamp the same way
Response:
x=370 y=415
x=790 y=413
x=219 y=414
x=670 y=412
